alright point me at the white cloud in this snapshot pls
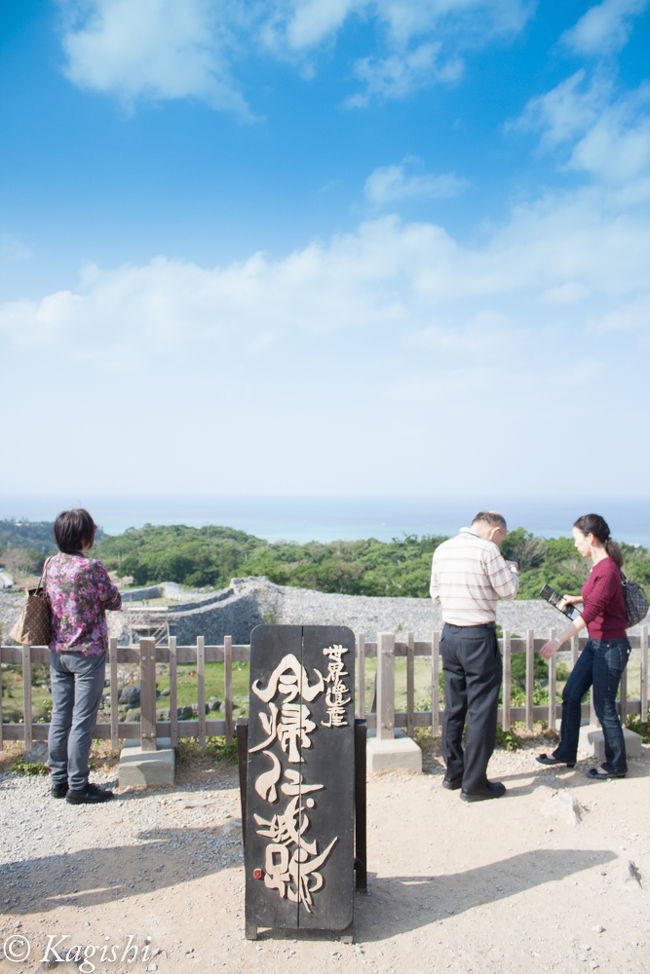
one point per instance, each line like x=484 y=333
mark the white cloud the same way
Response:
x=393 y=340
x=616 y=147
x=12 y=249
x=154 y=49
x=302 y=24
x=484 y=335
x=605 y=28
x=566 y=111
x=311 y=22
x=395 y=184
x=628 y=317
x=602 y=134
x=398 y=75
x=428 y=43
x=572 y=253
x=565 y=294
x=166 y=49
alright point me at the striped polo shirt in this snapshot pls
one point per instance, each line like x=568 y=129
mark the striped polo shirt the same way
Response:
x=468 y=576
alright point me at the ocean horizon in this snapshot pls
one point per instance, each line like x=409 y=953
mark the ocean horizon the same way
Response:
x=333 y=519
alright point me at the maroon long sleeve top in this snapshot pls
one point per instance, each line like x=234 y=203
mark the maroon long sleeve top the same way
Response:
x=604 y=606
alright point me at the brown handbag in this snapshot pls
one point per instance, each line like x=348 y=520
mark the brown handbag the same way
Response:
x=34 y=628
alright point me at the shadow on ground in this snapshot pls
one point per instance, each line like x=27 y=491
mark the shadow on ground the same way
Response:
x=94 y=876
x=397 y=904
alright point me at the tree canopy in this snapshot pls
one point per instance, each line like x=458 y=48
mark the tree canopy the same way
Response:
x=212 y=555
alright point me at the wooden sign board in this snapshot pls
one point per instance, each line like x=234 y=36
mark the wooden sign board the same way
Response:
x=299 y=828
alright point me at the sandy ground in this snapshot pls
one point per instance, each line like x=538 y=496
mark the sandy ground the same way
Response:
x=552 y=877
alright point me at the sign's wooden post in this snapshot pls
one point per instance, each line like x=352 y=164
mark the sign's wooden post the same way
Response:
x=299 y=801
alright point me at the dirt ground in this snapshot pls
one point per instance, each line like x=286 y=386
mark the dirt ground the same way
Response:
x=552 y=877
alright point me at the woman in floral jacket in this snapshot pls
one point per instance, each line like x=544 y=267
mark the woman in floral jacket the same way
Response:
x=79 y=591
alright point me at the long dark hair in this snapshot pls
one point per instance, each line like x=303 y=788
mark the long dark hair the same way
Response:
x=598 y=526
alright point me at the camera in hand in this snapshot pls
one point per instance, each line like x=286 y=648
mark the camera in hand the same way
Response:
x=555 y=598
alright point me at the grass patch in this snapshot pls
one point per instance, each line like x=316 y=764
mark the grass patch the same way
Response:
x=13 y=689
x=22 y=766
x=188 y=751
x=640 y=727
x=508 y=740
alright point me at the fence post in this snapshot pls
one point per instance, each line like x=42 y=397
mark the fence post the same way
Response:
x=385 y=686
x=27 y=699
x=200 y=687
x=643 y=695
x=507 y=680
x=410 y=683
x=530 y=662
x=435 y=683
x=115 y=714
x=552 y=682
x=173 y=691
x=361 y=676
x=227 y=685
x=148 y=694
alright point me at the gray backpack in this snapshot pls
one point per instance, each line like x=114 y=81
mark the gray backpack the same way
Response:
x=636 y=602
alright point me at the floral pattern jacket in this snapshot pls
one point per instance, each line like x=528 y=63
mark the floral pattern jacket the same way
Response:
x=79 y=591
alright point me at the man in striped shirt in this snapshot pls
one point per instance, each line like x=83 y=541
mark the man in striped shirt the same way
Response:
x=468 y=576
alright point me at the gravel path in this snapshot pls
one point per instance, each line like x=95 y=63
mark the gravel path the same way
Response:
x=553 y=877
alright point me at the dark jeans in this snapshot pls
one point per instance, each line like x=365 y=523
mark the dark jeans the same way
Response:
x=601 y=663
x=471 y=663
x=77 y=684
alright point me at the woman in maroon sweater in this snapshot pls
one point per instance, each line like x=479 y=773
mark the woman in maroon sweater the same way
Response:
x=603 y=659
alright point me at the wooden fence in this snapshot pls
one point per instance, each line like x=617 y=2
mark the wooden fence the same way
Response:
x=383 y=716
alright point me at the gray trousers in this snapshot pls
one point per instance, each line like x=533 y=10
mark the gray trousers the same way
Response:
x=77 y=684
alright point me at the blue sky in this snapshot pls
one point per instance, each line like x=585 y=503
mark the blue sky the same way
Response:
x=325 y=247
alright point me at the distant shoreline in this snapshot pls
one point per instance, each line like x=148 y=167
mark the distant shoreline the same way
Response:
x=300 y=520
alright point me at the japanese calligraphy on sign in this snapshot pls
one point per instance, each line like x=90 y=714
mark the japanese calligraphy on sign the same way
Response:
x=291 y=863
x=335 y=698
x=296 y=704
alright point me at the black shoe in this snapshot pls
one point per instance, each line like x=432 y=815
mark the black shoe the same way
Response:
x=452 y=783
x=600 y=774
x=545 y=759
x=59 y=790
x=90 y=795
x=492 y=789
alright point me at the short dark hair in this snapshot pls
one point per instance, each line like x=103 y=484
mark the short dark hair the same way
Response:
x=73 y=530
x=492 y=518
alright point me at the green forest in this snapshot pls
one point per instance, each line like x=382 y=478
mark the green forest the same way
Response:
x=211 y=556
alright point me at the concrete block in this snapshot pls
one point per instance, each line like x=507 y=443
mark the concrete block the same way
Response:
x=138 y=767
x=400 y=752
x=592 y=741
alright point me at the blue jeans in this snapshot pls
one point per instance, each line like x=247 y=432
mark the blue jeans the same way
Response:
x=601 y=663
x=77 y=684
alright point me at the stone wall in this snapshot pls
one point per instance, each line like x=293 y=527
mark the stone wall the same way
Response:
x=249 y=602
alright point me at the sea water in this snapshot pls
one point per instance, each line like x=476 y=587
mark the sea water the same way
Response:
x=303 y=519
